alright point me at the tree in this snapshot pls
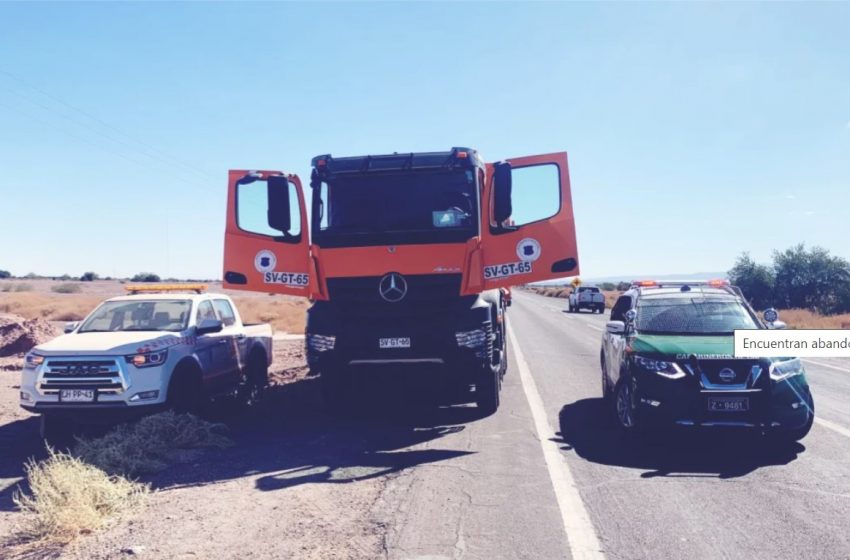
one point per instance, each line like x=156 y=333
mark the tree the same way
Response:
x=89 y=277
x=812 y=279
x=5 y=274
x=755 y=280
x=145 y=277
x=608 y=286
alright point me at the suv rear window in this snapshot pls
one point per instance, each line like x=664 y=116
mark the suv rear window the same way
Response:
x=594 y=290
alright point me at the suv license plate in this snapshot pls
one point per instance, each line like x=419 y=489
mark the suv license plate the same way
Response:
x=76 y=395
x=394 y=342
x=728 y=404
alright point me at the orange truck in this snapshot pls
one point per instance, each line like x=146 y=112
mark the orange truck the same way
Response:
x=407 y=257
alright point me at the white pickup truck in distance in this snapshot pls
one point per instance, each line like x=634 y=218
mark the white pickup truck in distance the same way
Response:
x=141 y=353
x=587 y=297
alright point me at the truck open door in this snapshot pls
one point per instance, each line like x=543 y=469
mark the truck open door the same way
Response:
x=266 y=242
x=530 y=234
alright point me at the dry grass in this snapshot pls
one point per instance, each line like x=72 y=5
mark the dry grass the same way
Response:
x=52 y=307
x=805 y=319
x=68 y=496
x=288 y=315
x=145 y=446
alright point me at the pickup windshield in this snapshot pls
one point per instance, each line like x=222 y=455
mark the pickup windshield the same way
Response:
x=148 y=315
x=693 y=316
x=396 y=208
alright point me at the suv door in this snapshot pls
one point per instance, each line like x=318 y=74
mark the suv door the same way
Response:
x=614 y=345
x=536 y=239
x=266 y=241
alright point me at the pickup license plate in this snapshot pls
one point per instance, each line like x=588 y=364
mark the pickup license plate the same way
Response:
x=76 y=395
x=403 y=342
x=728 y=404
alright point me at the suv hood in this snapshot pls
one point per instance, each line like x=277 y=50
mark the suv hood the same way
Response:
x=683 y=346
x=118 y=343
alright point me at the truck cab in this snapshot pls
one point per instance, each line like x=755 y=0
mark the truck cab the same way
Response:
x=407 y=257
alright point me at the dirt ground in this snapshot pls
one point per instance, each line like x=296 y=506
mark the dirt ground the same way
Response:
x=297 y=483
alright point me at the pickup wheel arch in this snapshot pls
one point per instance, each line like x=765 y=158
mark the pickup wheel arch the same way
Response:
x=185 y=388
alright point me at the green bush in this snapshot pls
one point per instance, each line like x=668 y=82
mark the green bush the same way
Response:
x=145 y=277
x=89 y=277
x=5 y=274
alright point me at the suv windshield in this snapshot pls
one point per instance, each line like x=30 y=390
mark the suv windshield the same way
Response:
x=148 y=315
x=692 y=315
x=384 y=208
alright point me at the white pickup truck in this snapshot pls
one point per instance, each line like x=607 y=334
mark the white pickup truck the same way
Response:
x=136 y=354
x=587 y=297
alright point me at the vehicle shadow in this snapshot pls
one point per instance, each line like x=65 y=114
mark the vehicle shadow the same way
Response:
x=587 y=427
x=19 y=442
x=290 y=439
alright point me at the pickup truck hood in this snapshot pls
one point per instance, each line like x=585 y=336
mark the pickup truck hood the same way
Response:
x=109 y=343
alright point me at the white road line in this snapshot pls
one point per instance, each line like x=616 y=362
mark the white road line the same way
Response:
x=581 y=536
x=830 y=366
x=832 y=426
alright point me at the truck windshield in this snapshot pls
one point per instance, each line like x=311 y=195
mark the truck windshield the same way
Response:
x=396 y=208
x=709 y=316
x=148 y=315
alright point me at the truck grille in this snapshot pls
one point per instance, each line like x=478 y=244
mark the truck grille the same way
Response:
x=101 y=374
x=425 y=292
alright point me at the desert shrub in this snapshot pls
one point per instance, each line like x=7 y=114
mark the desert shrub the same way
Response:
x=67 y=496
x=144 y=447
x=89 y=277
x=66 y=288
x=5 y=274
x=22 y=288
x=145 y=277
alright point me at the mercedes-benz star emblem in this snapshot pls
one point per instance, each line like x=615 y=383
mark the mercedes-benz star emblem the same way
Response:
x=392 y=287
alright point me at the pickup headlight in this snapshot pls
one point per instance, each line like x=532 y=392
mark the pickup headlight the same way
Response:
x=32 y=360
x=148 y=359
x=780 y=371
x=670 y=370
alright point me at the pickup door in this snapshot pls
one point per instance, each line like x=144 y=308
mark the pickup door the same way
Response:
x=538 y=239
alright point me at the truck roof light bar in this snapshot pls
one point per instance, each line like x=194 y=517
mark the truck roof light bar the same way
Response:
x=155 y=288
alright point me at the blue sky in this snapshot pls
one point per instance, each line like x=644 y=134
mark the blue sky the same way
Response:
x=695 y=131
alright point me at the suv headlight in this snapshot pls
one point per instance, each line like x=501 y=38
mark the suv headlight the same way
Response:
x=148 y=359
x=780 y=371
x=32 y=360
x=670 y=370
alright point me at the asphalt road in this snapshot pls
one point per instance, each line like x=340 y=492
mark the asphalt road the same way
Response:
x=548 y=476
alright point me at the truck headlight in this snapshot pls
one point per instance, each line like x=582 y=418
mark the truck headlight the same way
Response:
x=32 y=360
x=780 y=371
x=320 y=342
x=471 y=339
x=148 y=359
x=670 y=370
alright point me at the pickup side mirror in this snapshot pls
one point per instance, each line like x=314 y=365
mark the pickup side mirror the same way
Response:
x=71 y=327
x=615 y=327
x=208 y=326
x=502 y=207
x=279 y=216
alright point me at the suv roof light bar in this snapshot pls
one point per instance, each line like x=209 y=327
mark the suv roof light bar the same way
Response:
x=154 y=288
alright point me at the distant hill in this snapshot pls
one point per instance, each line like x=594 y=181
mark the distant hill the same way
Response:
x=630 y=277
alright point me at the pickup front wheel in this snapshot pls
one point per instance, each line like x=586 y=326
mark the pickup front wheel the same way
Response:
x=255 y=379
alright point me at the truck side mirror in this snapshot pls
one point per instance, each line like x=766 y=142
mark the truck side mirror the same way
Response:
x=502 y=208
x=208 y=326
x=278 y=196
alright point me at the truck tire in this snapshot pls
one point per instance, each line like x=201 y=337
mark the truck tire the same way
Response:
x=185 y=391
x=487 y=390
x=255 y=379
x=335 y=385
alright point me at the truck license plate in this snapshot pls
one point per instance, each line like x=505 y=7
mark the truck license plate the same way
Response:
x=394 y=342
x=76 y=395
x=728 y=404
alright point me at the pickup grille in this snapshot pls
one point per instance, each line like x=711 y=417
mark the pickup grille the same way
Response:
x=62 y=373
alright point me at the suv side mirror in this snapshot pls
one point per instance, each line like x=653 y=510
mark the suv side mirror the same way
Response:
x=71 y=327
x=208 y=326
x=279 y=216
x=502 y=208
x=615 y=327
x=631 y=314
